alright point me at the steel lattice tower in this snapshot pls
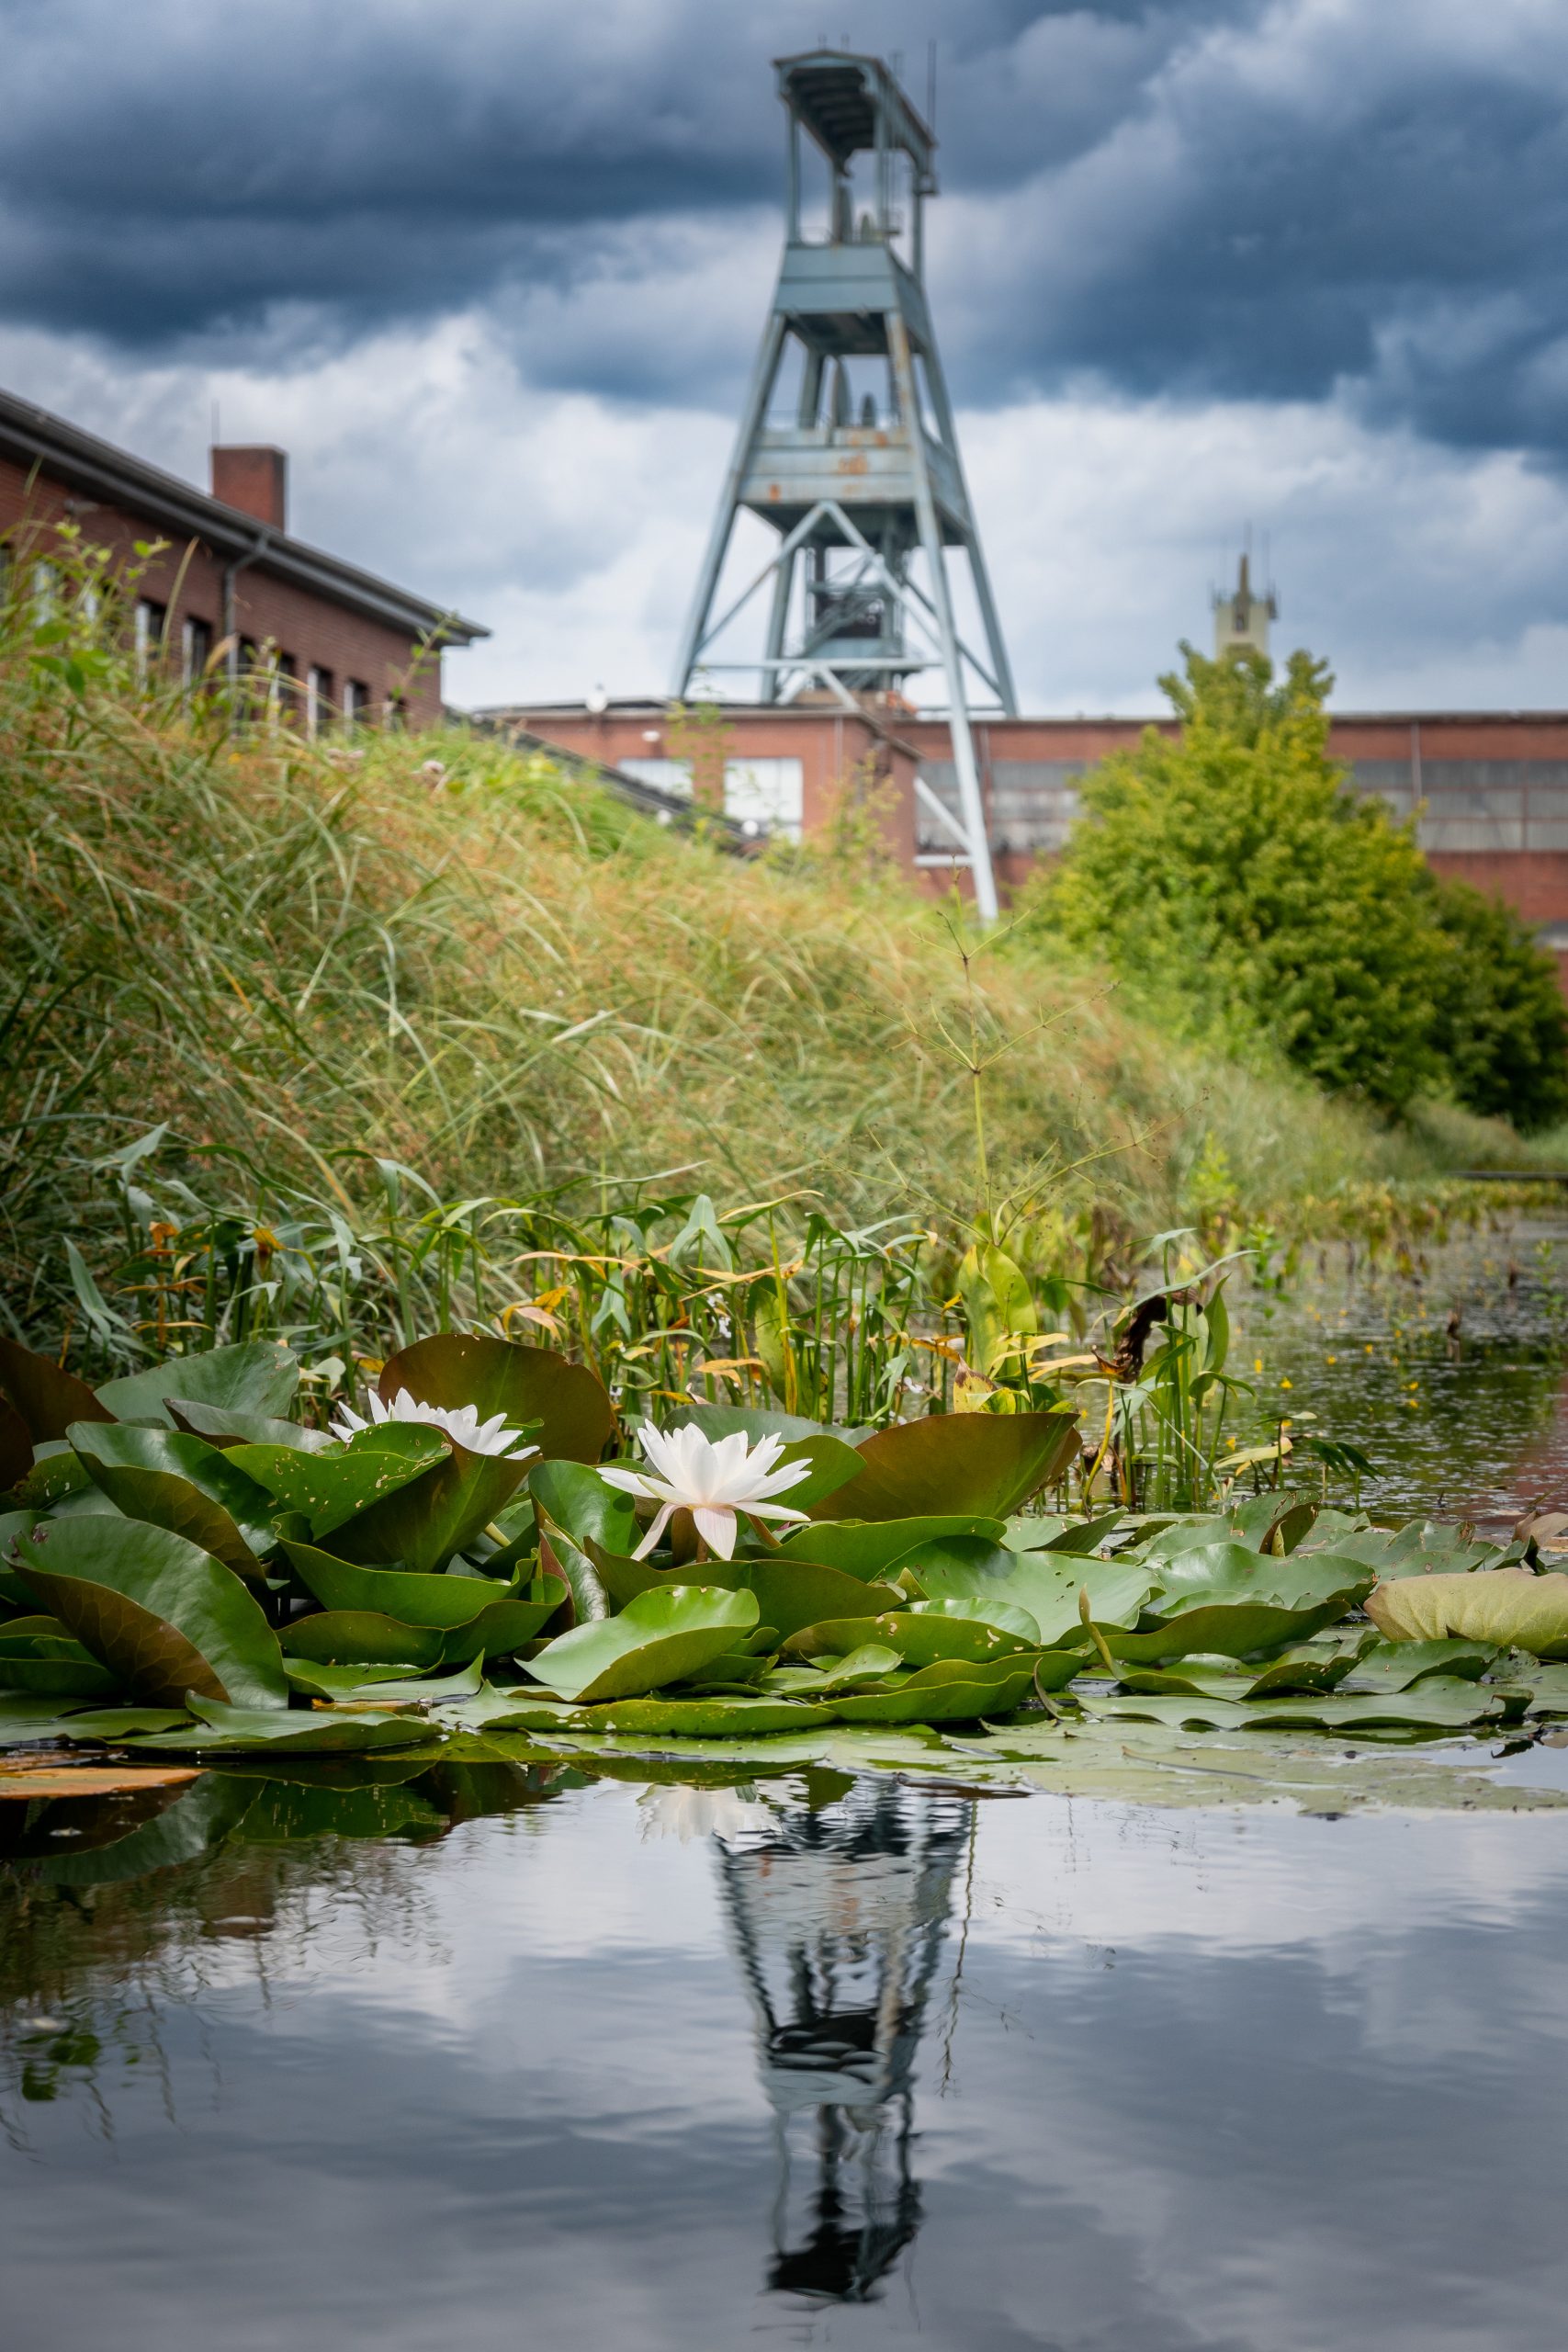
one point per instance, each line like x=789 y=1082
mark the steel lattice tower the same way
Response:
x=859 y=482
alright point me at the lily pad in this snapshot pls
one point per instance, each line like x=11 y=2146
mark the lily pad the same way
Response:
x=503 y=1627
x=454 y=1369
x=341 y=1483
x=1398 y=1666
x=220 y=1728
x=254 y=1376
x=1223 y=1598
x=875 y=1547
x=953 y=1691
x=929 y=1629
x=656 y=1638
x=949 y=1463
x=39 y=1655
x=1425 y=1548
x=575 y=1498
x=361 y=1637
x=1045 y=1585
x=1050 y=1535
x=491 y=1709
x=181 y=1483
x=742 y=1717
x=1437 y=1704
x=440 y=1602
x=162 y=1616
x=46 y=1397
x=426 y=1522
x=869 y=1663
x=1509 y=1607
x=223 y=1426
x=385 y=1687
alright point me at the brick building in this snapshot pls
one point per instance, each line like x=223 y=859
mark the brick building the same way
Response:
x=231 y=591
x=1489 y=790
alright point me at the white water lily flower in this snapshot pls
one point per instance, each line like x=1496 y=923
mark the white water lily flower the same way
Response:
x=461 y=1423
x=711 y=1480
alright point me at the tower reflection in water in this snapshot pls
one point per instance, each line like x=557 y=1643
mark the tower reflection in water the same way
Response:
x=839 y=1911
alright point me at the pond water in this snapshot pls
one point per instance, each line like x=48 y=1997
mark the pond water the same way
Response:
x=1449 y=1368
x=539 y=2059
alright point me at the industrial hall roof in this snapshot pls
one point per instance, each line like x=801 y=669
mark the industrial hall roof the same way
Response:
x=38 y=441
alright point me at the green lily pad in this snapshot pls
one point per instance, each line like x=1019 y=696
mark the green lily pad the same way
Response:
x=742 y=1717
x=1045 y=1585
x=281 y=1730
x=361 y=1637
x=1050 y=1535
x=1422 y=1549
x=868 y=1663
x=440 y=1602
x=1508 y=1607
x=322 y=1681
x=454 y=1369
x=106 y=1725
x=1437 y=1704
x=1223 y=1598
x=222 y=1427
x=1398 y=1666
x=47 y=1398
x=929 y=1629
x=985 y=1462
x=503 y=1627
x=656 y=1638
x=575 y=1499
x=40 y=1656
x=181 y=1483
x=426 y=1522
x=830 y=1466
x=873 y=1548
x=793 y=1592
x=953 y=1691
x=341 y=1482
x=254 y=1376
x=385 y=1687
x=491 y=1709
x=162 y=1616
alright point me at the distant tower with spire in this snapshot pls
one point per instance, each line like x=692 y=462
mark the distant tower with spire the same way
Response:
x=1243 y=618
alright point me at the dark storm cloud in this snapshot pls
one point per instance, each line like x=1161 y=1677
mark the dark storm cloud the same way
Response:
x=1209 y=197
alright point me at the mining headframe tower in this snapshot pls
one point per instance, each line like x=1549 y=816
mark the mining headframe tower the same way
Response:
x=859 y=476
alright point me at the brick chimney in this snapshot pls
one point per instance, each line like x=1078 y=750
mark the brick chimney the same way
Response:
x=253 y=479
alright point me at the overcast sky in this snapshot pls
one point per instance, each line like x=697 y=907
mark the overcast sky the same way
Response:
x=494 y=277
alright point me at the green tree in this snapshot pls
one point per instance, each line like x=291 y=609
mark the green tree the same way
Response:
x=1226 y=874
x=1500 y=1025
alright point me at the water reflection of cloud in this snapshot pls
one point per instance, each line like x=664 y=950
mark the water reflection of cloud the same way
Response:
x=1225 y=2081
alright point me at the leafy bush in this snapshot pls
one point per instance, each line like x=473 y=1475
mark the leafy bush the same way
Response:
x=1501 y=1027
x=1226 y=873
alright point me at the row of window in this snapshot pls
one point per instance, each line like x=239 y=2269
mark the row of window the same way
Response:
x=269 y=679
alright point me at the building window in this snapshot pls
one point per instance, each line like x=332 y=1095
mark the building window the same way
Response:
x=318 y=701
x=195 y=650
x=765 y=795
x=151 y=621
x=355 y=703
x=46 y=593
x=283 y=699
x=673 y=776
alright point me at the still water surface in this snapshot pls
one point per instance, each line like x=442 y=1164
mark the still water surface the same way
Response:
x=828 y=2062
